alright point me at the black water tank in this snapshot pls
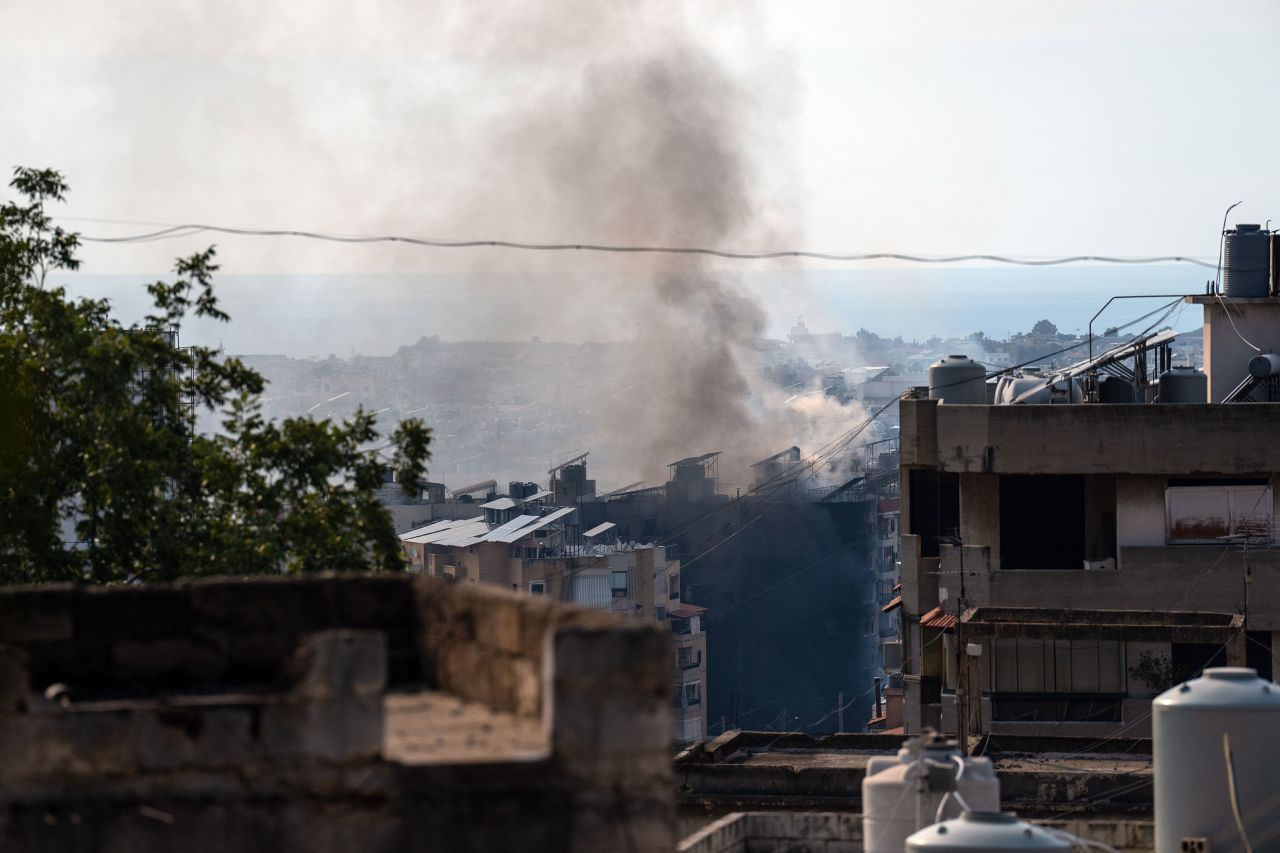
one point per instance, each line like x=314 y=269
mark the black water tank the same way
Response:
x=1246 y=262
x=1113 y=389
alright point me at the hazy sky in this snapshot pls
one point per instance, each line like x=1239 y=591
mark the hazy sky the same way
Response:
x=1017 y=127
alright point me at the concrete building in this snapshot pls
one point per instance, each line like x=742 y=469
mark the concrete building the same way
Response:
x=1067 y=561
x=532 y=547
x=379 y=713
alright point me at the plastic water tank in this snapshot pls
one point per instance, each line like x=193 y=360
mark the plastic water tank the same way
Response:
x=1184 y=385
x=982 y=832
x=1020 y=389
x=893 y=806
x=1246 y=262
x=1192 y=799
x=957 y=379
x=1113 y=389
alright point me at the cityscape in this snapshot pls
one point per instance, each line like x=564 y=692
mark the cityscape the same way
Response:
x=678 y=428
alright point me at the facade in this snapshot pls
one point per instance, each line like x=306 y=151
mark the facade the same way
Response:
x=1063 y=563
x=531 y=547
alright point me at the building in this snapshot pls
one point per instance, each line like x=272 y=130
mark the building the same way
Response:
x=530 y=546
x=1064 y=562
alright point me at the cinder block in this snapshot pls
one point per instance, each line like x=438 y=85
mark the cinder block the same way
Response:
x=171 y=660
x=340 y=731
x=15 y=679
x=338 y=664
x=37 y=615
x=191 y=738
x=498 y=626
x=528 y=687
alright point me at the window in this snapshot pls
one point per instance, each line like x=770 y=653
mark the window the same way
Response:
x=1205 y=514
x=618 y=583
x=692 y=694
x=684 y=657
x=538 y=588
x=1056 y=521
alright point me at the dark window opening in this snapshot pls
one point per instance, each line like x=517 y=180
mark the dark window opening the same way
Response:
x=1042 y=521
x=935 y=507
x=1056 y=708
x=1189 y=659
x=1257 y=655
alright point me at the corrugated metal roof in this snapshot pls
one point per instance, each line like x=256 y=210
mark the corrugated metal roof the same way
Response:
x=935 y=618
x=418 y=531
x=513 y=535
x=536 y=496
x=463 y=529
x=892 y=605
x=598 y=529
x=514 y=524
x=499 y=503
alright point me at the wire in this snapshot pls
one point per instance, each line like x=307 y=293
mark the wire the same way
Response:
x=1233 y=793
x=189 y=230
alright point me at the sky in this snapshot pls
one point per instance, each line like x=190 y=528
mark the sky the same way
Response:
x=1019 y=128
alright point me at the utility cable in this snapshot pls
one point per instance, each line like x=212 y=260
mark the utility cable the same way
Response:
x=1233 y=793
x=190 y=230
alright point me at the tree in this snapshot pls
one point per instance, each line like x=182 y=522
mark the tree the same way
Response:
x=1045 y=328
x=103 y=476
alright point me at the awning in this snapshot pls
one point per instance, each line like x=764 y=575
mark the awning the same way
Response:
x=685 y=611
x=598 y=529
x=936 y=618
x=1135 y=625
x=892 y=605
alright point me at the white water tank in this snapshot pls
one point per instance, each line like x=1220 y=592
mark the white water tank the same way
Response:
x=1192 y=798
x=982 y=832
x=893 y=806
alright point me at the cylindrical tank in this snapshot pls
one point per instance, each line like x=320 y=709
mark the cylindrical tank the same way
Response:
x=1192 y=798
x=986 y=831
x=1113 y=389
x=957 y=379
x=1019 y=389
x=1264 y=365
x=1246 y=262
x=892 y=805
x=1184 y=385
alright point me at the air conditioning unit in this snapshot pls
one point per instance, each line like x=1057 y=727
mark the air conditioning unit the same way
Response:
x=891 y=654
x=1107 y=565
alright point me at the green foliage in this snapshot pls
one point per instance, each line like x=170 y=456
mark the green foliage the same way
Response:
x=1154 y=670
x=97 y=436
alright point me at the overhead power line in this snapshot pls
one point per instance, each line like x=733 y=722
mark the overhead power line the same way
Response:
x=180 y=231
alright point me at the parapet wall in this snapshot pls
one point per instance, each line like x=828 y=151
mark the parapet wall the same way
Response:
x=253 y=714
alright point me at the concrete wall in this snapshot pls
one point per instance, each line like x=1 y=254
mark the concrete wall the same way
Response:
x=249 y=715
x=1226 y=356
x=1091 y=439
x=1205 y=578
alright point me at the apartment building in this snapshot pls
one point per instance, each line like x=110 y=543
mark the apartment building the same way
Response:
x=528 y=545
x=1063 y=562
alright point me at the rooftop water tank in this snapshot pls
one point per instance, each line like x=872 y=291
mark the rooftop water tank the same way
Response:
x=892 y=807
x=983 y=832
x=1246 y=261
x=1184 y=385
x=1113 y=389
x=1192 y=798
x=957 y=379
x=1019 y=389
